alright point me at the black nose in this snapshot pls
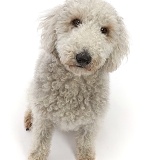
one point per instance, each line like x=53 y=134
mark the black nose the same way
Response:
x=83 y=58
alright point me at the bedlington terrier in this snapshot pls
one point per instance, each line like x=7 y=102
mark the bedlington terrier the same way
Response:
x=82 y=41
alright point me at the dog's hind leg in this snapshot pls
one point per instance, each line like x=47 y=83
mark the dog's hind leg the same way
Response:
x=28 y=118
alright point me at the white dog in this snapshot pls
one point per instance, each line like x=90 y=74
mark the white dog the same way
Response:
x=82 y=41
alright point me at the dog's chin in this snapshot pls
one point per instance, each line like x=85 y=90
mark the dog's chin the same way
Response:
x=79 y=70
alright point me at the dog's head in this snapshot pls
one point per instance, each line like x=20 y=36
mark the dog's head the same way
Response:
x=86 y=35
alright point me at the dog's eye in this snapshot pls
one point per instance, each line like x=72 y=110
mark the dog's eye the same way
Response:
x=105 y=30
x=76 y=22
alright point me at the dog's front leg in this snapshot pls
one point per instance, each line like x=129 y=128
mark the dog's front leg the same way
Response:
x=85 y=137
x=42 y=134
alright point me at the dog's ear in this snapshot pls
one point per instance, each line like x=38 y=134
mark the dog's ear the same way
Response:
x=120 y=50
x=48 y=29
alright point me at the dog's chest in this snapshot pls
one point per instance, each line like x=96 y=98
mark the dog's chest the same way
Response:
x=74 y=103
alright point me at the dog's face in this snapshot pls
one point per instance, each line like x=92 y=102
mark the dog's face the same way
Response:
x=88 y=34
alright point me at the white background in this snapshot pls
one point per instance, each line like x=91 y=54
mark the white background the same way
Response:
x=131 y=129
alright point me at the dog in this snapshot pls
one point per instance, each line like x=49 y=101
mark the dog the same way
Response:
x=82 y=42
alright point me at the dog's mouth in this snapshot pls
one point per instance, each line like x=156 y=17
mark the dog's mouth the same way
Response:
x=80 y=67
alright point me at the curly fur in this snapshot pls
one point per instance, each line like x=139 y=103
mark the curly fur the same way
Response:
x=64 y=95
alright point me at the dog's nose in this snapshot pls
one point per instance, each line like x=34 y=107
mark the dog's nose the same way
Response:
x=83 y=58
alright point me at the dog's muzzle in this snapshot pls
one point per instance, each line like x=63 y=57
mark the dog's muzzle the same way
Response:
x=83 y=59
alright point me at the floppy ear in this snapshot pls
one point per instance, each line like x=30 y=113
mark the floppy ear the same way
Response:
x=120 y=50
x=48 y=28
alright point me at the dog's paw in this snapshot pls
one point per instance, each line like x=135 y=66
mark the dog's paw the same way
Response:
x=34 y=156
x=85 y=153
x=86 y=157
x=28 y=125
x=28 y=120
